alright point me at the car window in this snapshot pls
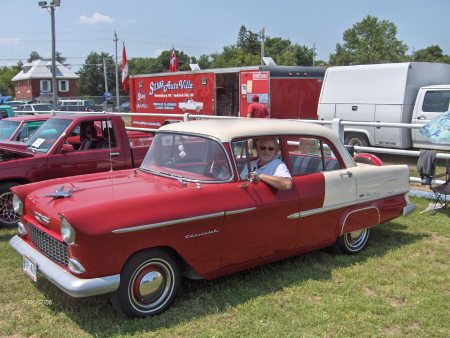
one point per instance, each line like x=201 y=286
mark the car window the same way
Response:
x=310 y=155
x=50 y=131
x=244 y=151
x=7 y=128
x=187 y=157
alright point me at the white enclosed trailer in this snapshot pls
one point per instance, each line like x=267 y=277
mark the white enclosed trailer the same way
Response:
x=385 y=93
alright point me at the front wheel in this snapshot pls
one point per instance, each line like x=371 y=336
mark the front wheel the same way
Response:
x=8 y=216
x=148 y=284
x=352 y=242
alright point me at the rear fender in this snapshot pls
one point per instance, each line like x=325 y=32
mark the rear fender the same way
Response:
x=360 y=218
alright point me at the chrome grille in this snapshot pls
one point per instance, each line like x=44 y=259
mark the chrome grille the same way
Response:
x=49 y=246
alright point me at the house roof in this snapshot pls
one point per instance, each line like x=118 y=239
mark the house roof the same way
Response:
x=41 y=69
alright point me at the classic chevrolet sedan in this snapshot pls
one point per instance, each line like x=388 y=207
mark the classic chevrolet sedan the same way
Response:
x=190 y=211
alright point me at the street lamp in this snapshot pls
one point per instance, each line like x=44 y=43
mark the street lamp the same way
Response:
x=51 y=6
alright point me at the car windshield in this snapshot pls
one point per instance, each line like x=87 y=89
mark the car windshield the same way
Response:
x=44 y=138
x=187 y=157
x=7 y=128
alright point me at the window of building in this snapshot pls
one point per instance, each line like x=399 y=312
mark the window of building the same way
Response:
x=63 y=85
x=45 y=86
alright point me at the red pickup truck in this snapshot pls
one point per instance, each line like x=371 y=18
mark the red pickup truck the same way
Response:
x=67 y=145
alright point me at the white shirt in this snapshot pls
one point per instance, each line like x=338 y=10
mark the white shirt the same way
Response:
x=276 y=167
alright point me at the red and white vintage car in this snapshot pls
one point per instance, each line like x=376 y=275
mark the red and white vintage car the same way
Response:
x=187 y=212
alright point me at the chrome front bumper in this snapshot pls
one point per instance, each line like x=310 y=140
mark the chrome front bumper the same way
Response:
x=73 y=286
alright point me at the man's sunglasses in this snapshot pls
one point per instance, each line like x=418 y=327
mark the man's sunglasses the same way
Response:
x=263 y=148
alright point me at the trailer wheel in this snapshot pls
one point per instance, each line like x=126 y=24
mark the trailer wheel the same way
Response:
x=356 y=139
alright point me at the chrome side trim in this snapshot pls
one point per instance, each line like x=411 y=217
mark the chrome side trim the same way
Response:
x=357 y=210
x=166 y=223
x=73 y=286
x=296 y=215
x=240 y=211
x=340 y=205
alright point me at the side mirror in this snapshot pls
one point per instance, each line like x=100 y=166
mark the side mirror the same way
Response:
x=67 y=148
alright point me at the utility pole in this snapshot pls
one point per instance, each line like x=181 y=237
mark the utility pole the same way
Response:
x=262 y=45
x=51 y=6
x=117 y=73
x=314 y=54
x=104 y=75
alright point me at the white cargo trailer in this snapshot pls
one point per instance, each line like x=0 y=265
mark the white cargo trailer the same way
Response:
x=386 y=93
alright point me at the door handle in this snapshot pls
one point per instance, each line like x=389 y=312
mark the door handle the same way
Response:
x=243 y=185
x=421 y=117
x=348 y=173
x=115 y=154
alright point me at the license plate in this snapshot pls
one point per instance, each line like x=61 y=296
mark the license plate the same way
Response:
x=30 y=268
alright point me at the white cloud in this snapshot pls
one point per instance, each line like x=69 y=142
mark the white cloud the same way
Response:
x=96 y=18
x=9 y=41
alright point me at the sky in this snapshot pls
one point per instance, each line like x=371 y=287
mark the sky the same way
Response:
x=198 y=27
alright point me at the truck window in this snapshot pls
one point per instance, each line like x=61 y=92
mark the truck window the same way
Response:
x=437 y=101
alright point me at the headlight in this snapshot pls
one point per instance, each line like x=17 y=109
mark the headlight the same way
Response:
x=17 y=204
x=67 y=231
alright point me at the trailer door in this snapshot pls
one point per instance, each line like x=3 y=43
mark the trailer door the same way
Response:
x=253 y=82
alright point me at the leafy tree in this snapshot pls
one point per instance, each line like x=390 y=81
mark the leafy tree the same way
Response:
x=248 y=41
x=204 y=61
x=432 y=53
x=34 y=55
x=369 y=41
x=91 y=81
x=6 y=85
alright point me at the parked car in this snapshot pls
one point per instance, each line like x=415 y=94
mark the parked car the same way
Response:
x=187 y=212
x=36 y=108
x=17 y=103
x=55 y=150
x=20 y=128
x=6 y=111
x=124 y=107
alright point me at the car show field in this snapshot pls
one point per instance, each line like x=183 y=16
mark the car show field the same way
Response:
x=397 y=287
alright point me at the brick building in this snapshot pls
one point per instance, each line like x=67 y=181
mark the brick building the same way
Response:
x=34 y=81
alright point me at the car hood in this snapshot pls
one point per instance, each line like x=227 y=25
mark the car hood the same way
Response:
x=16 y=148
x=110 y=201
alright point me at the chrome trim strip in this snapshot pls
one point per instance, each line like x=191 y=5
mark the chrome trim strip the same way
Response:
x=240 y=211
x=166 y=223
x=316 y=211
x=73 y=286
x=357 y=210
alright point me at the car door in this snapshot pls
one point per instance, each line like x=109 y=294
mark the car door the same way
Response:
x=256 y=221
x=322 y=184
x=79 y=162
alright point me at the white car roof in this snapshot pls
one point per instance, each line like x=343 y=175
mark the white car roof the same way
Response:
x=227 y=129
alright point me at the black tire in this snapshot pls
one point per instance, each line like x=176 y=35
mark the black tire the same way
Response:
x=148 y=283
x=8 y=217
x=352 y=242
x=355 y=139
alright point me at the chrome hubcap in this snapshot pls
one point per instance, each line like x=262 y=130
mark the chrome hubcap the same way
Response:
x=150 y=284
x=7 y=213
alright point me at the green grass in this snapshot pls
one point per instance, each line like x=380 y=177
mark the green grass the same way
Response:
x=399 y=286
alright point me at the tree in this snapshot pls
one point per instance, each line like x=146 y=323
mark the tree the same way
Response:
x=91 y=81
x=34 y=56
x=369 y=41
x=431 y=54
x=6 y=85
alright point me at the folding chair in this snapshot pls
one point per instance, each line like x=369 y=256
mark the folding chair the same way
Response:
x=443 y=190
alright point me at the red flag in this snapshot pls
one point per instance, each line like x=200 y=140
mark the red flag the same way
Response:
x=173 y=61
x=124 y=70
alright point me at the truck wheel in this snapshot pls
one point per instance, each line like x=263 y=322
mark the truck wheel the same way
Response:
x=148 y=284
x=355 y=139
x=352 y=242
x=8 y=217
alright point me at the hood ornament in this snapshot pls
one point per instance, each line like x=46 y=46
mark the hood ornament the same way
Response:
x=61 y=193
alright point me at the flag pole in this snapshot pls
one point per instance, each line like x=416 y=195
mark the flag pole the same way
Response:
x=117 y=74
